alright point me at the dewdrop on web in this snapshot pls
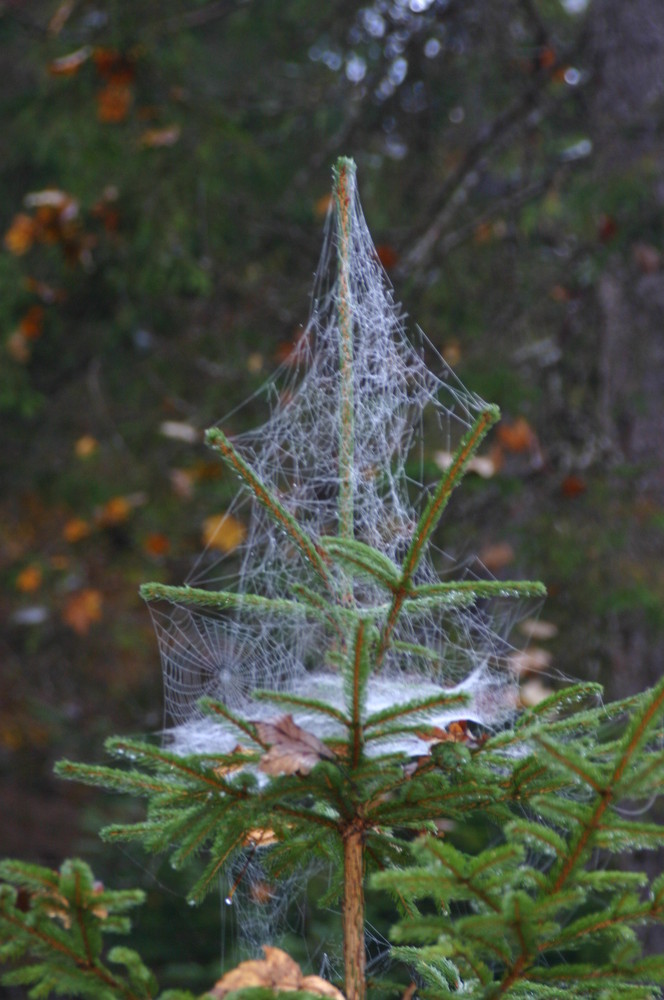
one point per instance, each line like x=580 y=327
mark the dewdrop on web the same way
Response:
x=339 y=455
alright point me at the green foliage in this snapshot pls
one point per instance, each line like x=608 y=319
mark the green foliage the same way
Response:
x=52 y=926
x=532 y=915
x=525 y=913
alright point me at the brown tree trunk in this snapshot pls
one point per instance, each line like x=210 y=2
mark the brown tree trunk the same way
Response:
x=353 y=914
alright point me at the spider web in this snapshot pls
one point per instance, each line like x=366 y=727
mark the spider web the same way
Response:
x=397 y=400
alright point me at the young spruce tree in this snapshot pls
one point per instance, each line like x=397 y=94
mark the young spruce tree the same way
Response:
x=357 y=708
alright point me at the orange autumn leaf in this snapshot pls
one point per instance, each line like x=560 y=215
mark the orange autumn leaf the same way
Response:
x=517 y=436
x=75 y=529
x=156 y=137
x=29 y=579
x=70 y=64
x=114 y=102
x=114 y=66
x=322 y=206
x=156 y=544
x=115 y=511
x=21 y=234
x=223 y=532
x=573 y=486
x=82 y=609
x=32 y=323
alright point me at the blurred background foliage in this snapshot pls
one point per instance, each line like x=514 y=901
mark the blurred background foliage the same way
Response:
x=164 y=178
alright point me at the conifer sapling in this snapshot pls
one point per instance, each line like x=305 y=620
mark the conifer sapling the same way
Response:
x=335 y=694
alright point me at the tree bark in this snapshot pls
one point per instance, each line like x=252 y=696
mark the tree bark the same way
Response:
x=353 y=914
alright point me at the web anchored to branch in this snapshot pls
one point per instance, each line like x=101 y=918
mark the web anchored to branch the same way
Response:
x=338 y=531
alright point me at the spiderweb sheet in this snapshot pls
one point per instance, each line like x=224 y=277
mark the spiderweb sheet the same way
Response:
x=396 y=399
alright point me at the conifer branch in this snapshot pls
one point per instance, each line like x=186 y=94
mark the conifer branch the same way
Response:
x=431 y=516
x=343 y=192
x=222 y=599
x=357 y=734
x=310 y=551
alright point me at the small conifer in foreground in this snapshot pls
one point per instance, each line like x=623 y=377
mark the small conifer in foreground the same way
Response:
x=340 y=698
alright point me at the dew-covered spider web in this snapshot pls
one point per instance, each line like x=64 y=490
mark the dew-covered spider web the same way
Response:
x=400 y=393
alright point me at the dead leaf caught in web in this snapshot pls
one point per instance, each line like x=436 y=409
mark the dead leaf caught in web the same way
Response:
x=277 y=971
x=293 y=750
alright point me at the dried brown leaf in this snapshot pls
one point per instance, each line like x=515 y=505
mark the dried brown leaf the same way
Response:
x=533 y=692
x=530 y=661
x=293 y=750
x=315 y=984
x=537 y=628
x=484 y=466
x=277 y=971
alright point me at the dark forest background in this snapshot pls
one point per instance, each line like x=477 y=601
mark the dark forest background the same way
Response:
x=164 y=179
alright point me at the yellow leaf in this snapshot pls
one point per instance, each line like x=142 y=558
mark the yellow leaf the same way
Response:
x=21 y=234
x=86 y=446
x=223 y=532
